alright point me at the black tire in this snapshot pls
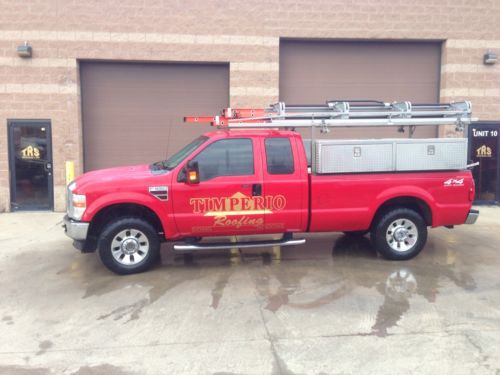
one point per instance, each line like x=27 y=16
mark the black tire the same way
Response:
x=399 y=234
x=356 y=233
x=122 y=246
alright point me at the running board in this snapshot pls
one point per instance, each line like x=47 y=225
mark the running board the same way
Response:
x=238 y=245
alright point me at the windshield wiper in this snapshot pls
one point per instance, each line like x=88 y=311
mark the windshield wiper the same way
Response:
x=167 y=165
x=157 y=166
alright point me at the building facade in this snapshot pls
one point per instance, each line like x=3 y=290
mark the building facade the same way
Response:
x=108 y=82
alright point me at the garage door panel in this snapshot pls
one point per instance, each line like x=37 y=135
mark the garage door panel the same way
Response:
x=312 y=72
x=133 y=112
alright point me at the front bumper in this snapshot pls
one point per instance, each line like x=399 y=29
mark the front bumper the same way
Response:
x=472 y=216
x=76 y=230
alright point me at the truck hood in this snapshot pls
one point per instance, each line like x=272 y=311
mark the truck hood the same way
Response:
x=128 y=175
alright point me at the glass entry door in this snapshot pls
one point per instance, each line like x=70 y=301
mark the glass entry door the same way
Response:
x=484 y=140
x=30 y=163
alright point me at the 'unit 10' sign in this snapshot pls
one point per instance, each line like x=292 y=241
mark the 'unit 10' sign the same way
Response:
x=484 y=133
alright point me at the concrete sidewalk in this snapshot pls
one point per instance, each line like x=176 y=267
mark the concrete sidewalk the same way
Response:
x=331 y=306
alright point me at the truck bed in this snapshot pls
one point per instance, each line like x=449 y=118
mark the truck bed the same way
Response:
x=348 y=202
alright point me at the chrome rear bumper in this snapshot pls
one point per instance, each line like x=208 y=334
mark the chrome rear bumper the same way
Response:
x=76 y=230
x=472 y=216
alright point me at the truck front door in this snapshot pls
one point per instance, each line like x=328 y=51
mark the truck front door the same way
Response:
x=228 y=199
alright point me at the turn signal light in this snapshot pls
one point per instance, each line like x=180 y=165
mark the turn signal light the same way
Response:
x=193 y=176
x=79 y=201
x=79 y=204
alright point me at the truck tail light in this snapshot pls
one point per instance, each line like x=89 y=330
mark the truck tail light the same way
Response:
x=472 y=191
x=471 y=194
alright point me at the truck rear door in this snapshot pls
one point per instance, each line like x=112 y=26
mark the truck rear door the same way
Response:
x=285 y=184
x=228 y=199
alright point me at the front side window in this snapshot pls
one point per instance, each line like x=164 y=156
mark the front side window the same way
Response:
x=227 y=157
x=279 y=156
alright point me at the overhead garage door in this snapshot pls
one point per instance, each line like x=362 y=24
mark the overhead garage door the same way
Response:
x=312 y=72
x=132 y=112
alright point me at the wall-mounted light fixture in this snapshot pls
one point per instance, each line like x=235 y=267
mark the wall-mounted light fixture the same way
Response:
x=490 y=58
x=24 y=50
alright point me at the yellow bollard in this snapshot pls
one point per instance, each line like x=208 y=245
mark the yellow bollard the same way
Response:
x=70 y=171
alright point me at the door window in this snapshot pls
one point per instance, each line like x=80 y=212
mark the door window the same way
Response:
x=279 y=156
x=227 y=157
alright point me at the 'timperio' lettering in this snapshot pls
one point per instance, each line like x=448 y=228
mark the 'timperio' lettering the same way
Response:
x=237 y=204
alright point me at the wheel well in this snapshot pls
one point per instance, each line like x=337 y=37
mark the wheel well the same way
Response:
x=122 y=210
x=413 y=203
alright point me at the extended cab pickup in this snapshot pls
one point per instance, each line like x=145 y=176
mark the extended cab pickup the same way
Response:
x=248 y=182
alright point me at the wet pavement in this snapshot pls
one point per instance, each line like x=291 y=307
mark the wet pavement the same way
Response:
x=328 y=307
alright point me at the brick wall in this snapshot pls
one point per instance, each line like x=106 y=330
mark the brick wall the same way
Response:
x=245 y=33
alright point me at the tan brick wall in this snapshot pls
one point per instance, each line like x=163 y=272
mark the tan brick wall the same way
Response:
x=244 y=33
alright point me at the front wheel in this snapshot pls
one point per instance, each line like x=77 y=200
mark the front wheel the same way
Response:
x=399 y=234
x=129 y=245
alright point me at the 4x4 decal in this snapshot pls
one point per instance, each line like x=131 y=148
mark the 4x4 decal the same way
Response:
x=454 y=182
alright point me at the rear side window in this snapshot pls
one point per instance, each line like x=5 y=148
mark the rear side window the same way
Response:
x=279 y=156
x=227 y=157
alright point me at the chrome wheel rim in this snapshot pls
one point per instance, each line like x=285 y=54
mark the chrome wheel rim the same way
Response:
x=401 y=235
x=129 y=247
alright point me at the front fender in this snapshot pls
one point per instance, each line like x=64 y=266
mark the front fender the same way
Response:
x=146 y=200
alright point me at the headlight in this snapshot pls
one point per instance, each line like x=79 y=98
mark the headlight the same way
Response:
x=77 y=203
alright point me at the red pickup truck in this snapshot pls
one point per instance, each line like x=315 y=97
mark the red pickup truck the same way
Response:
x=248 y=182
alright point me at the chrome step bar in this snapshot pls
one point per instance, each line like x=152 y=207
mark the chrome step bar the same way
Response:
x=238 y=245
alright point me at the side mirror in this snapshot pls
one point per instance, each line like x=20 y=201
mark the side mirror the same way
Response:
x=192 y=173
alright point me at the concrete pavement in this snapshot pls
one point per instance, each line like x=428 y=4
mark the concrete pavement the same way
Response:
x=328 y=307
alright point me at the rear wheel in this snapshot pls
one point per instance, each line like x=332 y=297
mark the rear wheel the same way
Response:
x=129 y=245
x=399 y=234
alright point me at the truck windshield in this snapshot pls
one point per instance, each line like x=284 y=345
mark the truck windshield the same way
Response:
x=179 y=156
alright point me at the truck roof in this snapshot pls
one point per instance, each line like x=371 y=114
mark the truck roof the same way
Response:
x=249 y=133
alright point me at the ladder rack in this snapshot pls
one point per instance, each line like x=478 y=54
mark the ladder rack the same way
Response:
x=338 y=113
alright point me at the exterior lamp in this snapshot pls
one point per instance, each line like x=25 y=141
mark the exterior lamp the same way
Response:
x=490 y=58
x=24 y=50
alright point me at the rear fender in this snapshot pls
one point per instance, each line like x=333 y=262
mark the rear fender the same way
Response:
x=409 y=191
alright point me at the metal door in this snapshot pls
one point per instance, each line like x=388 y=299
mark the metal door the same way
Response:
x=30 y=165
x=312 y=72
x=133 y=112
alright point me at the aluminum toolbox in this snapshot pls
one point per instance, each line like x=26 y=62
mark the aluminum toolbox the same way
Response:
x=389 y=155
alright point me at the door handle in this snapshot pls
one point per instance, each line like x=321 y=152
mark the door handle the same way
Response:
x=256 y=190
